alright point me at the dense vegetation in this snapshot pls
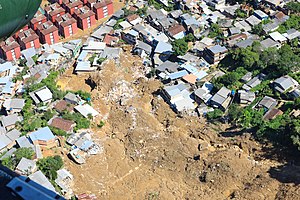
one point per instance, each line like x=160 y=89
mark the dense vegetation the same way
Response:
x=157 y=5
x=180 y=46
x=12 y=161
x=215 y=31
x=292 y=22
x=34 y=119
x=273 y=62
x=50 y=165
x=284 y=130
x=294 y=7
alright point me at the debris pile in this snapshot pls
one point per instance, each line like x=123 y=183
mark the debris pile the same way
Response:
x=122 y=92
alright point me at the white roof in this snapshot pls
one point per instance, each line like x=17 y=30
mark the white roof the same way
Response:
x=41 y=179
x=125 y=24
x=277 y=36
x=207 y=41
x=93 y=45
x=44 y=94
x=26 y=164
x=54 y=56
x=86 y=109
x=84 y=66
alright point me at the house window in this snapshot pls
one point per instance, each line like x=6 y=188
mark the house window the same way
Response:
x=32 y=44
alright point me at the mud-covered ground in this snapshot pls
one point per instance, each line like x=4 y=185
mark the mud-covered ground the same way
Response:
x=151 y=153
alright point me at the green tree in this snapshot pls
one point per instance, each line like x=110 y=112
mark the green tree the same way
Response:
x=23 y=153
x=297 y=103
x=190 y=38
x=217 y=113
x=9 y=163
x=257 y=29
x=295 y=133
x=294 y=7
x=12 y=161
x=268 y=57
x=48 y=115
x=84 y=95
x=100 y=61
x=50 y=165
x=241 y=14
x=245 y=57
x=292 y=22
x=234 y=112
x=251 y=118
x=215 y=31
x=180 y=46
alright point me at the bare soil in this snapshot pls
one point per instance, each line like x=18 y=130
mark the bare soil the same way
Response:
x=152 y=153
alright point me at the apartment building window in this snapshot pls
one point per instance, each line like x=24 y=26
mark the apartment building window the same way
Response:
x=70 y=30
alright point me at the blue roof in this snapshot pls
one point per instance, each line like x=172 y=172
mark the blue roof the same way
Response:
x=173 y=92
x=82 y=56
x=28 y=53
x=4 y=141
x=4 y=80
x=8 y=88
x=23 y=142
x=8 y=66
x=86 y=145
x=217 y=49
x=163 y=47
x=54 y=56
x=43 y=134
x=189 y=68
x=133 y=32
x=200 y=75
x=191 y=21
x=81 y=66
x=178 y=74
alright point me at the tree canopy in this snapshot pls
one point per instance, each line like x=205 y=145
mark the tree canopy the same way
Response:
x=293 y=6
x=50 y=165
x=180 y=47
x=12 y=161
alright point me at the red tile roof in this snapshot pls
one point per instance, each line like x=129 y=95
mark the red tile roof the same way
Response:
x=38 y=17
x=62 y=124
x=54 y=9
x=72 y=3
x=9 y=44
x=63 y=105
x=100 y=3
x=65 y=20
x=47 y=27
x=84 y=12
x=132 y=17
x=28 y=36
x=176 y=29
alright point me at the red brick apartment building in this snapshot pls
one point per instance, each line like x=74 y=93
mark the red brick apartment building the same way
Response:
x=67 y=25
x=48 y=33
x=26 y=27
x=85 y=18
x=28 y=39
x=60 y=2
x=72 y=5
x=53 y=11
x=10 y=49
x=102 y=8
x=39 y=18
